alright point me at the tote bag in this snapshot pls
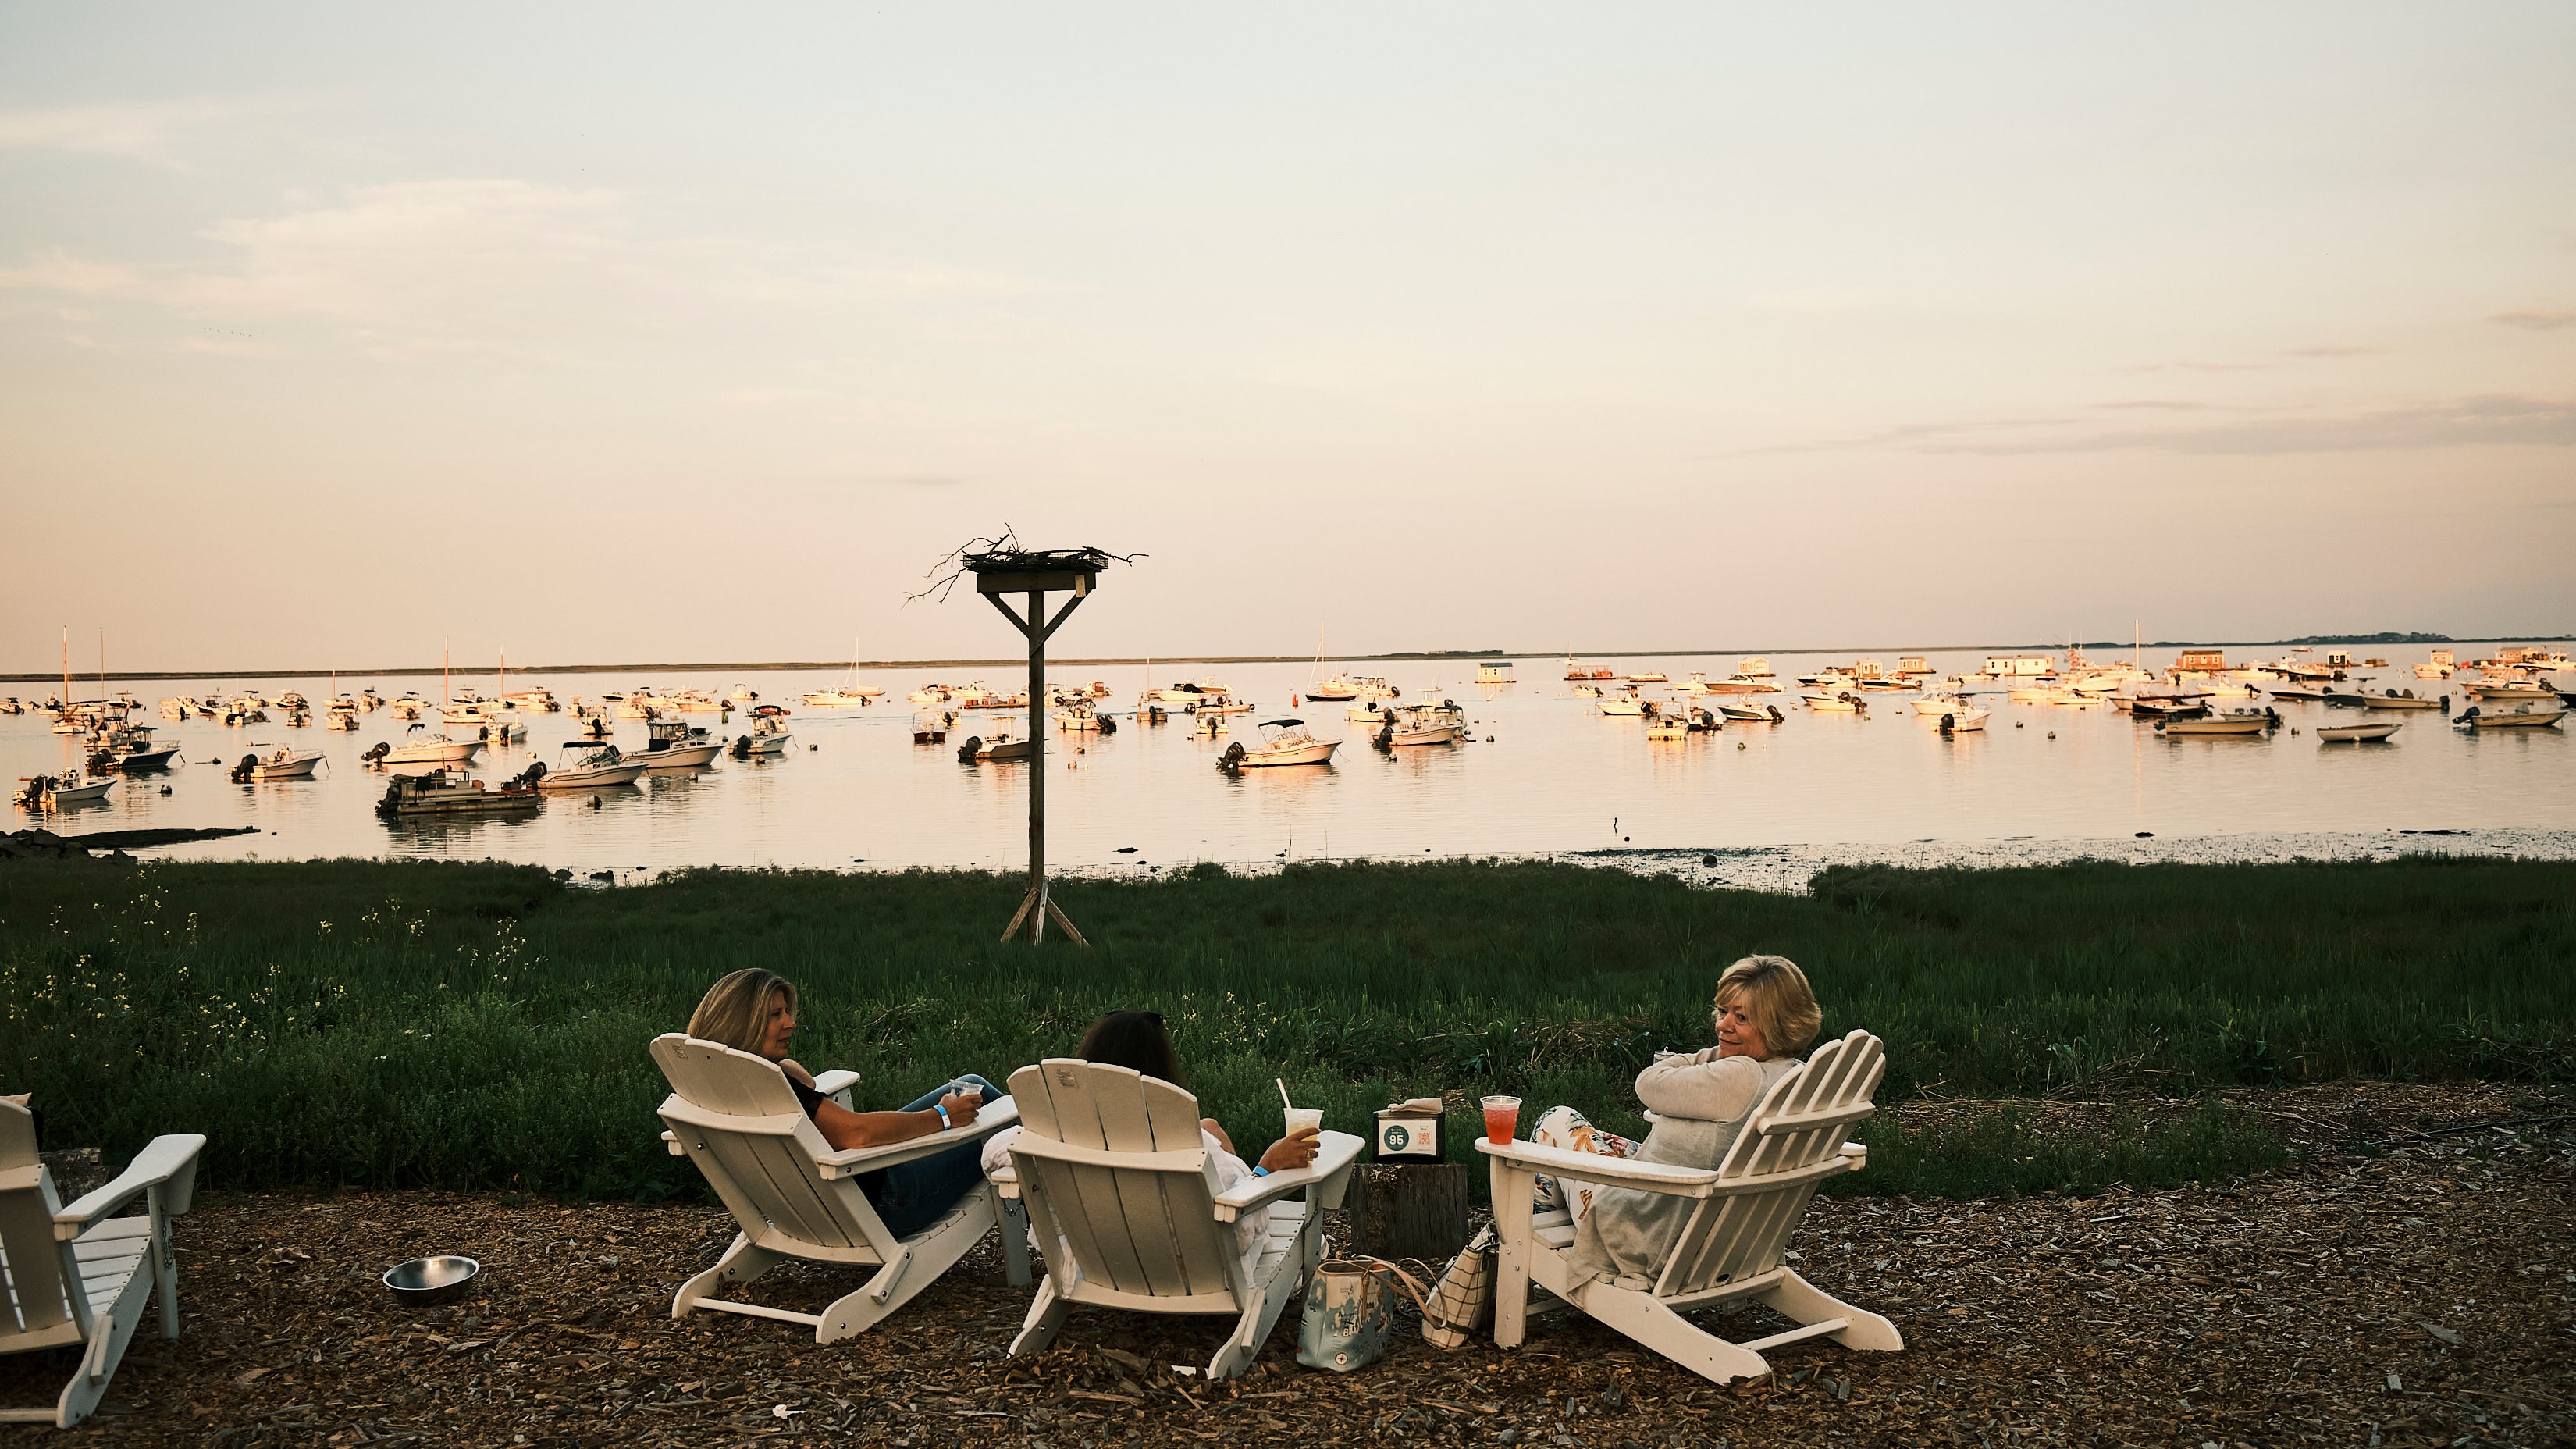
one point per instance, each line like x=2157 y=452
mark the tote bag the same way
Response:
x=1350 y=1312
x=1463 y=1299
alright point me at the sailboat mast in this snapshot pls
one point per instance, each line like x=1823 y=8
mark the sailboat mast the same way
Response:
x=443 y=696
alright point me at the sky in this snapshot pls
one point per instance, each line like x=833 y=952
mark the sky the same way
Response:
x=648 y=332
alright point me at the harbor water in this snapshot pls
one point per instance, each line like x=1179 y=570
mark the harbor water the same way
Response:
x=1544 y=775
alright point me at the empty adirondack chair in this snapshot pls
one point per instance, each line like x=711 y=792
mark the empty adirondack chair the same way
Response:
x=77 y=1275
x=1731 y=1247
x=796 y=1196
x=1116 y=1176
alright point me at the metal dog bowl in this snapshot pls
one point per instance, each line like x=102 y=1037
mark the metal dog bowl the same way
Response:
x=431 y=1280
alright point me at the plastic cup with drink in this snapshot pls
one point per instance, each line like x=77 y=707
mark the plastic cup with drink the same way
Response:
x=1502 y=1119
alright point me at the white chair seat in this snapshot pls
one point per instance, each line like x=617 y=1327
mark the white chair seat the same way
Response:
x=1733 y=1245
x=793 y=1196
x=76 y=1275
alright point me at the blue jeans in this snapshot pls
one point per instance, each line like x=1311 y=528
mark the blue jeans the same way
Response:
x=912 y=1195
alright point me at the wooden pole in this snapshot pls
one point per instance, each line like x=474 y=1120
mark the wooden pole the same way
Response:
x=1037 y=632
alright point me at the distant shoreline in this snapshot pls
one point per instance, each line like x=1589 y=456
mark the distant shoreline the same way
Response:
x=748 y=666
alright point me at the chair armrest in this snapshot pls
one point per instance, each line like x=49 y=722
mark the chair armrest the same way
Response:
x=836 y=1085
x=671 y=1145
x=995 y=1115
x=166 y=1161
x=1593 y=1167
x=1334 y=1151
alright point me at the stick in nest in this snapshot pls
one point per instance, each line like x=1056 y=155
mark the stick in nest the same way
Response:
x=1004 y=554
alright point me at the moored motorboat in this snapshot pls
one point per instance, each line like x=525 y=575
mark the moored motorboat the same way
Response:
x=1085 y=718
x=450 y=792
x=2358 y=733
x=1368 y=711
x=677 y=746
x=767 y=736
x=1966 y=717
x=1750 y=713
x=421 y=748
x=931 y=726
x=1936 y=705
x=282 y=764
x=2230 y=722
x=589 y=765
x=1629 y=705
x=2408 y=700
x=1283 y=742
x=1425 y=724
x=1002 y=746
x=53 y=792
x=2520 y=717
x=1839 y=702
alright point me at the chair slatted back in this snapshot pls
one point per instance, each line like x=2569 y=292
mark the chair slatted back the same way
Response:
x=43 y=1285
x=762 y=1163
x=1149 y=1227
x=1804 y=1119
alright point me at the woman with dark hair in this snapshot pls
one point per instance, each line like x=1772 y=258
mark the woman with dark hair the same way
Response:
x=1137 y=1041
x=754 y=1011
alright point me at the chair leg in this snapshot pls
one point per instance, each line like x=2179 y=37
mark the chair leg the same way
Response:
x=1803 y=1302
x=109 y=1332
x=1015 y=1238
x=1046 y=1315
x=1649 y=1322
x=741 y=1263
x=1511 y=1192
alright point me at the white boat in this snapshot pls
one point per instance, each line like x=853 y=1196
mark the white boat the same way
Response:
x=1742 y=683
x=1209 y=725
x=590 y=765
x=2511 y=689
x=1190 y=693
x=1750 y=713
x=1827 y=679
x=2358 y=734
x=2391 y=699
x=1283 y=742
x=931 y=726
x=1085 y=718
x=2031 y=693
x=2230 y=722
x=52 y=792
x=1374 y=686
x=1336 y=689
x=825 y=698
x=1628 y=705
x=742 y=694
x=284 y=764
x=1368 y=711
x=1674 y=726
x=537 y=701
x=419 y=748
x=931 y=694
x=1840 y=702
x=767 y=736
x=676 y=746
x=342 y=718
x=1651 y=676
x=1221 y=703
x=1936 y=705
x=1002 y=746
x=1964 y=717
x=1426 y=724
x=2521 y=716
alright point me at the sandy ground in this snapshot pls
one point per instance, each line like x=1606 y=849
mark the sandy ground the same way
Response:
x=2418 y=1293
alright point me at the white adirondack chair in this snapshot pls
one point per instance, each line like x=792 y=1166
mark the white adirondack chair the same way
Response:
x=1118 y=1179
x=77 y=1275
x=1731 y=1247
x=795 y=1196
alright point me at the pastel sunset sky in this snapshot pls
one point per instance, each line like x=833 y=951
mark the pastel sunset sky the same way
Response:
x=621 y=332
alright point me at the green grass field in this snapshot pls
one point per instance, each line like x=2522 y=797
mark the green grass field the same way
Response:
x=467 y=1026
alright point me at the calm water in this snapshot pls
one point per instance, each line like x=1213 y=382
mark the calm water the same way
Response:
x=1555 y=778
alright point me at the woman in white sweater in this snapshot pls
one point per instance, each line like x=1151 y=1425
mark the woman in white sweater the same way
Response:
x=1697 y=1102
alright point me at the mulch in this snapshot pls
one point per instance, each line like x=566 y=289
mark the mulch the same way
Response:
x=2418 y=1292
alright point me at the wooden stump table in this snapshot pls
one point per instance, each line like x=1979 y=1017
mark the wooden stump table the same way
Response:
x=1409 y=1211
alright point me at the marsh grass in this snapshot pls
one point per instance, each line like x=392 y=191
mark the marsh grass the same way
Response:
x=410 y=1024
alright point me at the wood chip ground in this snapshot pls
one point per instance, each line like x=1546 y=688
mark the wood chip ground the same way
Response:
x=2421 y=1293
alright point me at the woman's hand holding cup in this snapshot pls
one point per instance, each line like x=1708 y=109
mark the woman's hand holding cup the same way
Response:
x=1293 y=1151
x=961 y=1104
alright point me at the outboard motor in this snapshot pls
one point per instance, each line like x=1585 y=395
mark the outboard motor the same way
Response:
x=376 y=753
x=1950 y=723
x=1108 y=726
x=966 y=752
x=741 y=747
x=1232 y=760
x=241 y=772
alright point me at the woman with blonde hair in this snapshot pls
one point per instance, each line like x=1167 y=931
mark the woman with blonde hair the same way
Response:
x=1698 y=1103
x=753 y=1010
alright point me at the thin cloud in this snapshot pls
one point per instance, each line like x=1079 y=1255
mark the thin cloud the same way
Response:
x=494 y=266
x=2202 y=367
x=2474 y=422
x=2160 y=404
x=2327 y=351
x=2536 y=319
x=144 y=131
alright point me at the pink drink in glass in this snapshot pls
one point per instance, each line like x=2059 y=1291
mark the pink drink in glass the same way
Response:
x=1502 y=1119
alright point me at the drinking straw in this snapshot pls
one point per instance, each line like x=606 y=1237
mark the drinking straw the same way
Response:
x=1283 y=1092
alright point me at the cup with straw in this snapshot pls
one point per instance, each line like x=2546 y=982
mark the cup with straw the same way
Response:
x=1298 y=1117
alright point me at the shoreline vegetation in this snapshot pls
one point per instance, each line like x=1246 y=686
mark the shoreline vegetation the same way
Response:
x=2065 y=1028
x=1104 y=662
